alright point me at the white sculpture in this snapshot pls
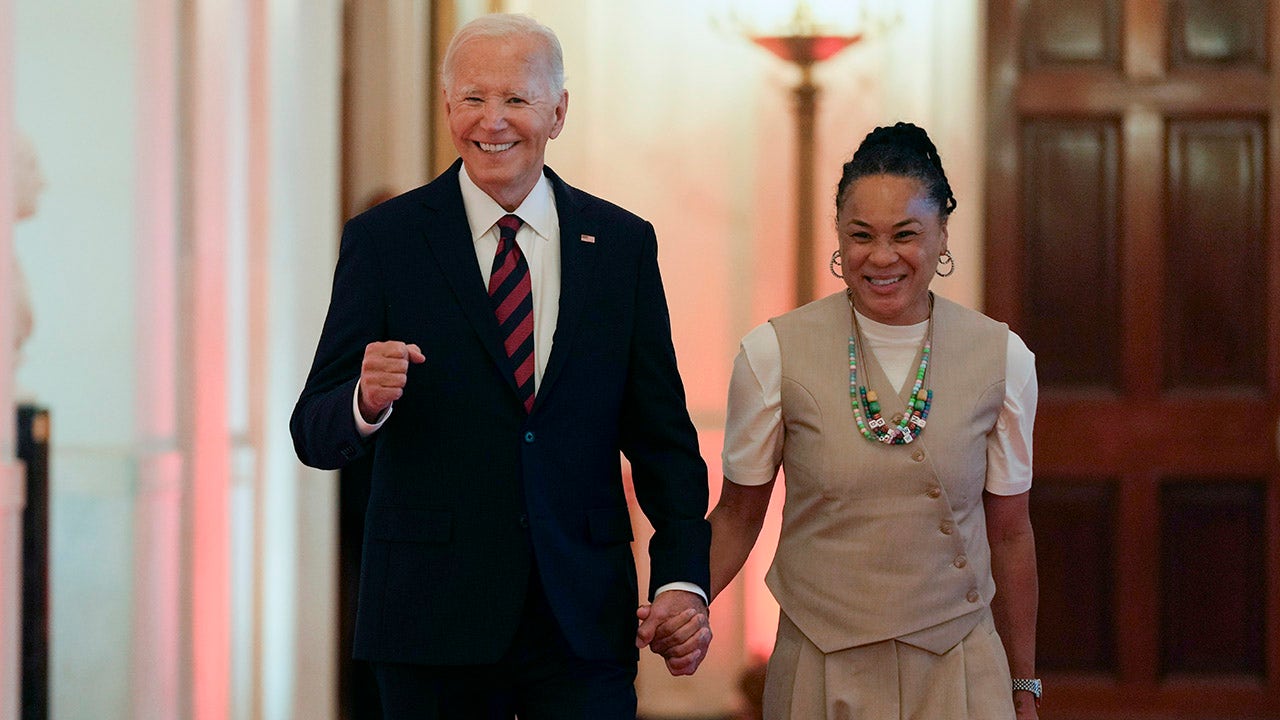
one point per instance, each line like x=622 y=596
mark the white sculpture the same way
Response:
x=28 y=182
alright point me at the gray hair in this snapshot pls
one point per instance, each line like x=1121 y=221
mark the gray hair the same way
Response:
x=507 y=25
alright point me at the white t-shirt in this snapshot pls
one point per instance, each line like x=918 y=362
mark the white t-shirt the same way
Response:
x=753 y=423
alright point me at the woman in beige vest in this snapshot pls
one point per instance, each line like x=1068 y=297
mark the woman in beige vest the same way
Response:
x=906 y=570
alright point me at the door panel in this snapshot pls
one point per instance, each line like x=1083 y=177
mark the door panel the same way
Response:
x=1132 y=205
x=1076 y=579
x=1217 y=32
x=1212 y=597
x=1073 y=32
x=1216 y=245
x=1071 y=185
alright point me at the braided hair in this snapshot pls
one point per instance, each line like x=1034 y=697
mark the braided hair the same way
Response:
x=905 y=150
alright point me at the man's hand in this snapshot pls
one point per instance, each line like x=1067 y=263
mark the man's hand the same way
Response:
x=675 y=626
x=383 y=375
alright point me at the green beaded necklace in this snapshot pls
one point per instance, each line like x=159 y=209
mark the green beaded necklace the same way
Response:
x=866 y=403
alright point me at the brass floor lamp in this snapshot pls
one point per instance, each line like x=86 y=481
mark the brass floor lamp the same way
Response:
x=814 y=33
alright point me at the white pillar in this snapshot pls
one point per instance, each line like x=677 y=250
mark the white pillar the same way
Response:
x=12 y=491
x=158 y=683
x=248 y=283
x=216 y=41
x=297 y=513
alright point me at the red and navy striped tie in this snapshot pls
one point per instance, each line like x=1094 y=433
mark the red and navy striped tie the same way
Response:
x=512 y=297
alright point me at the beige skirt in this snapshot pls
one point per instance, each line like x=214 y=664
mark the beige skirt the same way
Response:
x=888 y=680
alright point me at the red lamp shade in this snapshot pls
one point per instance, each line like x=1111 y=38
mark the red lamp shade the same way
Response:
x=805 y=49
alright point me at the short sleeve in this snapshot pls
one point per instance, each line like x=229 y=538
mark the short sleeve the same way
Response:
x=753 y=419
x=1009 y=445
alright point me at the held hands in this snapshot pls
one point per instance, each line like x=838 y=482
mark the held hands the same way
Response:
x=676 y=626
x=383 y=375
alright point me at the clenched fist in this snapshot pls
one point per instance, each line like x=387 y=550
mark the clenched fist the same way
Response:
x=383 y=375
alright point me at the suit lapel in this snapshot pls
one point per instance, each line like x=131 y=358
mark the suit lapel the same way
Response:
x=449 y=238
x=577 y=265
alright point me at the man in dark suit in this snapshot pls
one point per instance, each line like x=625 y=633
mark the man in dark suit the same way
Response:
x=495 y=338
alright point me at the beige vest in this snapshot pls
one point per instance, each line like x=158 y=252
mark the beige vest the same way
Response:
x=885 y=541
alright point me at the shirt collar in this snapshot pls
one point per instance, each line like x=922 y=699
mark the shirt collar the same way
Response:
x=891 y=334
x=538 y=210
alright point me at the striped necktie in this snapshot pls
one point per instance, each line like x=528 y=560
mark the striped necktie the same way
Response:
x=512 y=297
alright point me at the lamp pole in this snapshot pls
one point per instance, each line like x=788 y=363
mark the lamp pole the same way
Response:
x=805 y=47
x=806 y=98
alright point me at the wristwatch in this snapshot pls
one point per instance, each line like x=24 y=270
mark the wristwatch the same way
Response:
x=1031 y=685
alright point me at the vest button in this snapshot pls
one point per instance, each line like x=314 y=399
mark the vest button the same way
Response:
x=934 y=492
x=960 y=561
x=946 y=527
x=918 y=456
x=529 y=437
x=973 y=596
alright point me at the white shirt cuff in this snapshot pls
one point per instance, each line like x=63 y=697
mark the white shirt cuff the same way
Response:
x=686 y=586
x=365 y=429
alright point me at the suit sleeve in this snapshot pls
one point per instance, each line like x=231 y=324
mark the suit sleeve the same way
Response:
x=323 y=424
x=660 y=441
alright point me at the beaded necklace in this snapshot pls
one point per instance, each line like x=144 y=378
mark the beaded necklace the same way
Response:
x=865 y=402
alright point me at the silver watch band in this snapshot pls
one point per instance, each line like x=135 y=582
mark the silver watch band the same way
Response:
x=1031 y=685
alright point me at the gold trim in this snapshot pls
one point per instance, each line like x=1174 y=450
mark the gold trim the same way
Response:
x=444 y=21
x=40 y=427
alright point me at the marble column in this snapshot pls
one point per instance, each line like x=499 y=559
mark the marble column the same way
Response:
x=159 y=687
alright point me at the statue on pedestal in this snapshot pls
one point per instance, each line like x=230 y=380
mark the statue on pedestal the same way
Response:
x=28 y=184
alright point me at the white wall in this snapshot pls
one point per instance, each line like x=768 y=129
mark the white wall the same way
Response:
x=74 y=96
x=179 y=267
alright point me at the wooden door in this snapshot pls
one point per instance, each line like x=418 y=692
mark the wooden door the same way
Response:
x=1132 y=215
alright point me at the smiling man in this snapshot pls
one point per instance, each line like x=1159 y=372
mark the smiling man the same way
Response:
x=496 y=339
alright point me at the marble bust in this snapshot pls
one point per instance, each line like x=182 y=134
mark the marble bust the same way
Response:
x=28 y=184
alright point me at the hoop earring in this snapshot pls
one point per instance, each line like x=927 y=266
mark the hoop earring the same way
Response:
x=835 y=260
x=946 y=261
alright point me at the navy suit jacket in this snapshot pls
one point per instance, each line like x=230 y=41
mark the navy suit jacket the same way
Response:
x=469 y=493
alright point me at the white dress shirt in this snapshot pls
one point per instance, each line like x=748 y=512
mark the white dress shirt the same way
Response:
x=539 y=240
x=753 y=435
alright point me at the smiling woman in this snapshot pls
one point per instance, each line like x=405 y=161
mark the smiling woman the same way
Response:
x=936 y=523
x=891 y=239
x=892 y=206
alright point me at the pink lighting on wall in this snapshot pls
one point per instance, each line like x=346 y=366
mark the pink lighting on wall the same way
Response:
x=209 y=506
x=156 y=667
